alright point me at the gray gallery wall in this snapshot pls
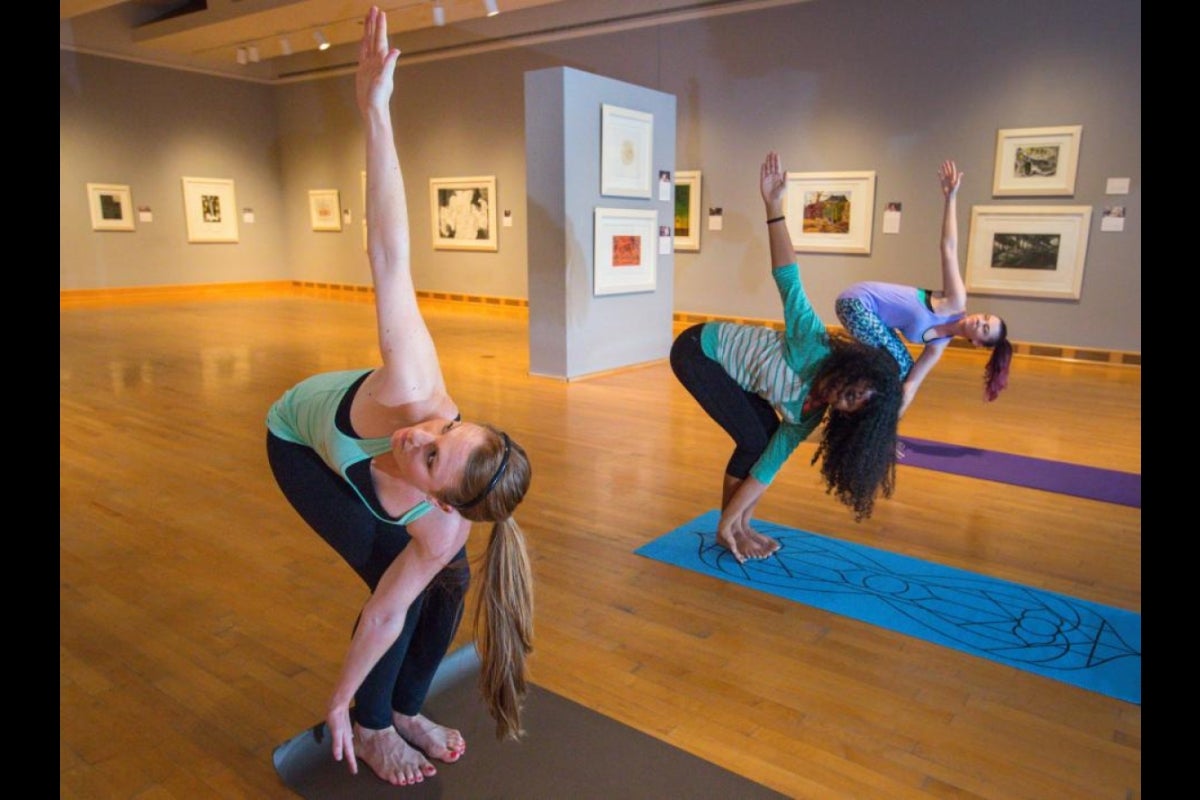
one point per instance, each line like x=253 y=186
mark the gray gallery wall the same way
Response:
x=146 y=128
x=572 y=331
x=887 y=85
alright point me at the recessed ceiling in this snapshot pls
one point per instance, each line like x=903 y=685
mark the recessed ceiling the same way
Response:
x=275 y=40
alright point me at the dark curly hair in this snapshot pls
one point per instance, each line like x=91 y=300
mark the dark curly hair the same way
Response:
x=859 y=448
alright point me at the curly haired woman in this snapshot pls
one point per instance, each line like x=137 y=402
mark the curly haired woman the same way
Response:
x=770 y=389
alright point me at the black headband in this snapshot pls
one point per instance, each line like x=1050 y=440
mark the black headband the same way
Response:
x=495 y=478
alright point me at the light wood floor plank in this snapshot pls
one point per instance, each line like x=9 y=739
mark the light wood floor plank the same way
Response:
x=202 y=623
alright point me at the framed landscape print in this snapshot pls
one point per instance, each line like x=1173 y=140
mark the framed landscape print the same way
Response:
x=831 y=212
x=325 y=209
x=210 y=210
x=626 y=150
x=687 y=210
x=111 y=206
x=625 y=251
x=463 y=212
x=1036 y=161
x=1028 y=251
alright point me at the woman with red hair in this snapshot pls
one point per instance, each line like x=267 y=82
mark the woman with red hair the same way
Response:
x=873 y=312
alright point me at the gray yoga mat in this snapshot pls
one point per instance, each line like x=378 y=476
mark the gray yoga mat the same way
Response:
x=569 y=753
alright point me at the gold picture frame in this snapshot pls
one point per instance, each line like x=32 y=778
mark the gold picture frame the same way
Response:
x=687 y=210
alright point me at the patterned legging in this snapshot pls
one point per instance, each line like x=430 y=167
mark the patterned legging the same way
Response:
x=866 y=326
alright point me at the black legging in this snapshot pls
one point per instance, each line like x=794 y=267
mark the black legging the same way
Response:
x=745 y=416
x=400 y=680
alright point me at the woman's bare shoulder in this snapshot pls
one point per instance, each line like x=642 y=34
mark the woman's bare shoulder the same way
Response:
x=376 y=412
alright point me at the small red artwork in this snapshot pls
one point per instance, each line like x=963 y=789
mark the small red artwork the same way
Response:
x=627 y=251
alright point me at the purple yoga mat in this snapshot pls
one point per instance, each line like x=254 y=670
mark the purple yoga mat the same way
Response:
x=1109 y=486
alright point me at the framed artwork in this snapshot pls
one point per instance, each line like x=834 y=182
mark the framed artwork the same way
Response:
x=626 y=253
x=1028 y=251
x=687 y=210
x=626 y=150
x=210 y=210
x=1036 y=161
x=325 y=209
x=111 y=205
x=463 y=211
x=831 y=212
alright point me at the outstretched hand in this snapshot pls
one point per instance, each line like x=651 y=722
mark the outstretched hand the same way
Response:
x=950 y=178
x=376 y=64
x=773 y=183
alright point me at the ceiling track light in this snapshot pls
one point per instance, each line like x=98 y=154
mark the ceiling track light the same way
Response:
x=322 y=42
x=439 y=14
x=242 y=56
x=490 y=5
x=285 y=46
x=252 y=51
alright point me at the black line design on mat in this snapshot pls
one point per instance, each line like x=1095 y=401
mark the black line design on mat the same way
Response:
x=1003 y=620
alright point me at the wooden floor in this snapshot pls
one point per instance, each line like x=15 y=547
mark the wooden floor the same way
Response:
x=202 y=623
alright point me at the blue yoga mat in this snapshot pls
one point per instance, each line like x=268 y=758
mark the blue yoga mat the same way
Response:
x=1085 y=644
x=1106 y=485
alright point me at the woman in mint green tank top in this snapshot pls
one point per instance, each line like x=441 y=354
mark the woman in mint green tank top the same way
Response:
x=380 y=464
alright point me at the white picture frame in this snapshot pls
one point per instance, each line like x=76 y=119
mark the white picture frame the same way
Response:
x=111 y=206
x=1028 y=251
x=210 y=209
x=687 y=209
x=626 y=152
x=325 y=209
x=463 y=213
x=626 y=251
x=1036 y=162
x=831 y=212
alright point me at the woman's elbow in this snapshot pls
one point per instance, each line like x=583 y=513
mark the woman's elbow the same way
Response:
x=380 y=617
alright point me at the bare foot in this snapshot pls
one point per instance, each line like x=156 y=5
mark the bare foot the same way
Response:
x=392 y=758
x=751 y=544
x=436 y=741
x=763 y=545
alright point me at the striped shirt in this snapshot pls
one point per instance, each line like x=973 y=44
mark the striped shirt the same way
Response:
x=778 y=366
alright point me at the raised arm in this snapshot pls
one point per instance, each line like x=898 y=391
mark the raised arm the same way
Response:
x=410 y=382
x=737 y=510
x=953 y=291
x=773 y=183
